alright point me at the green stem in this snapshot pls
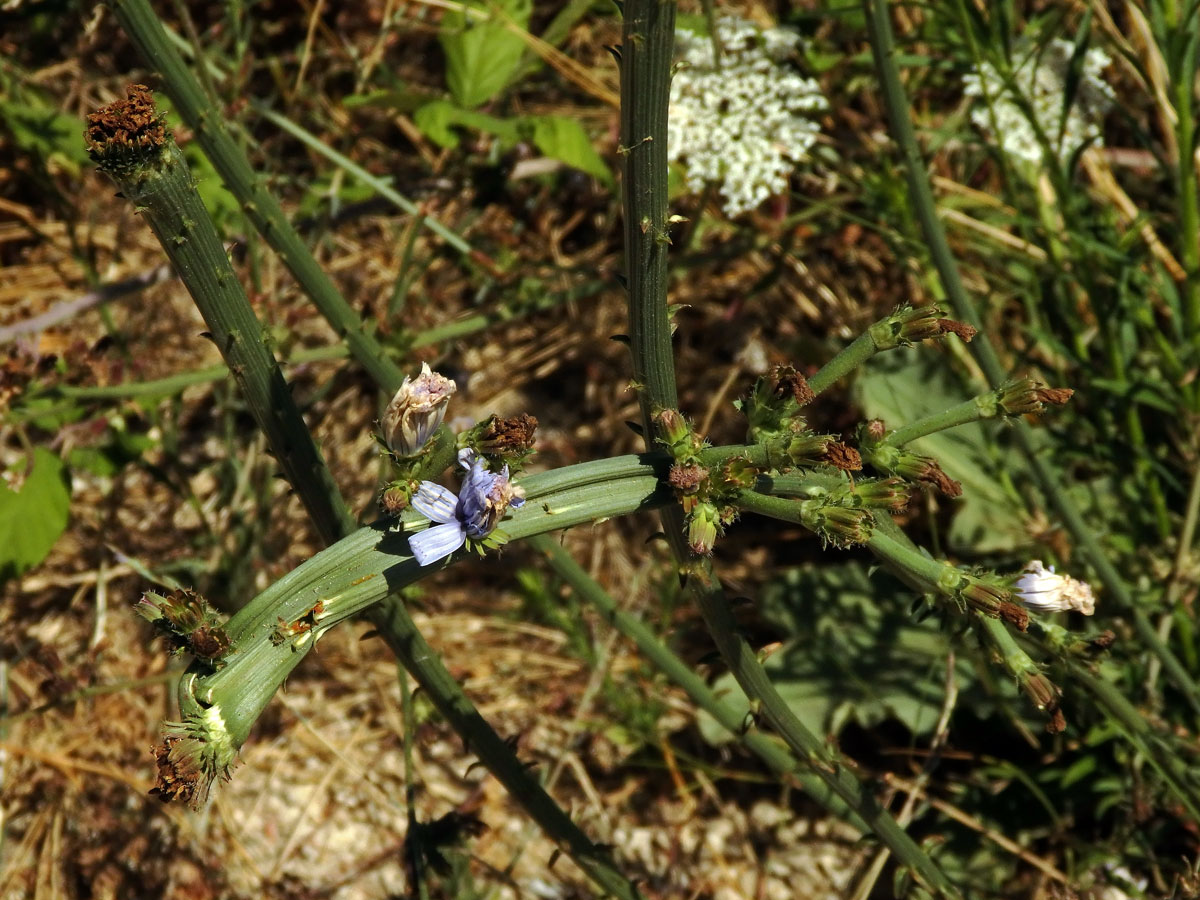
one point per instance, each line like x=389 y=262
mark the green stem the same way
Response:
x=774 y=756
x=646 y=59
x=982 y=407
x=895 y=99
x=174 y=384
x=1183 y=84
x=846 y=361
x=405 y=640
x=162 y=189
x=824 y=760
x=1133 y=724
x=139 y=21
x=412 y=848
x=219 y=708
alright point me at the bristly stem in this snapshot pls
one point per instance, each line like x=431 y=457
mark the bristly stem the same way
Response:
x=133 y=148
x=962 y=414
x=139 y=21
x=646 y=59
x=896 y=101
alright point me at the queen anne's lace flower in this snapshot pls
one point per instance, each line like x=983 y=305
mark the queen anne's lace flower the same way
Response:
x=742 y=122
x=481 y=503
x=1040 y=76
x=1042 y=589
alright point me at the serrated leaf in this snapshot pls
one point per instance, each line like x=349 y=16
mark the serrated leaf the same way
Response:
x=33 y=518
x=481 y=56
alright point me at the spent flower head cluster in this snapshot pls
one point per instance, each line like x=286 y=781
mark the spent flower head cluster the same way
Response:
x=743 y=120
x=1034 y=100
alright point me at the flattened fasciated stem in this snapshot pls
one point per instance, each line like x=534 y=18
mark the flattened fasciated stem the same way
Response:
x=221 y=700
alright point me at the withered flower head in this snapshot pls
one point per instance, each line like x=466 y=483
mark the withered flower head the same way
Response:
x=787 y=383
x=924 y=469
x=508 y=437
x=127 y=133
x=416 y=411
x=1029 y=396
x=843 y=456
x=962 y=329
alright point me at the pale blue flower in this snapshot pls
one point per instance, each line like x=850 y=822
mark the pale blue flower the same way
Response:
x=481 y=503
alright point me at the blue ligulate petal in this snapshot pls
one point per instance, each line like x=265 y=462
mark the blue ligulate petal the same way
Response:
x=435 y=502
x=436 y=543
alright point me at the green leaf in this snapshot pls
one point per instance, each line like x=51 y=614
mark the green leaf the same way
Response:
x=482 y=55
x=32 y=519
x=566 y=141
x=438 y=119
x=854 y=654
x=40 y=130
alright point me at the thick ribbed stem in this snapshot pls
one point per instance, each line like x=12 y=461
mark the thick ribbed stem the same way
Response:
x=139 y=21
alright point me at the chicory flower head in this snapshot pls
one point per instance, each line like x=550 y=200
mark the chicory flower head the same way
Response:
x=1041 y=588
x=481 y=503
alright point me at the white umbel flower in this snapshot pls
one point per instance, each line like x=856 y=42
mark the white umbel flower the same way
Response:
x=1040 y=77
x=742 y=123
x=1042 y=589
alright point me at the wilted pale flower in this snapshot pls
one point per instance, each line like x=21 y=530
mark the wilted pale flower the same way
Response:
x=481 y=503
x=1042 y=589
x=742 y=122
x=1041 y=77
x=416 y=411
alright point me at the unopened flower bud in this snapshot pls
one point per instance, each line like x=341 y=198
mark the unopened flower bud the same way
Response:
x=1029 y=396
x=187 y=621
x=874 y=431
x=992 y=600
x=1045 y=695
x=887 y=493
x=842 y=526
x=906 y=326
x=809 y=449
x=395 y=498
x=703 y=528
x=676 y=434
x=416 y=412
x=1042 y=589
x=914 y=467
